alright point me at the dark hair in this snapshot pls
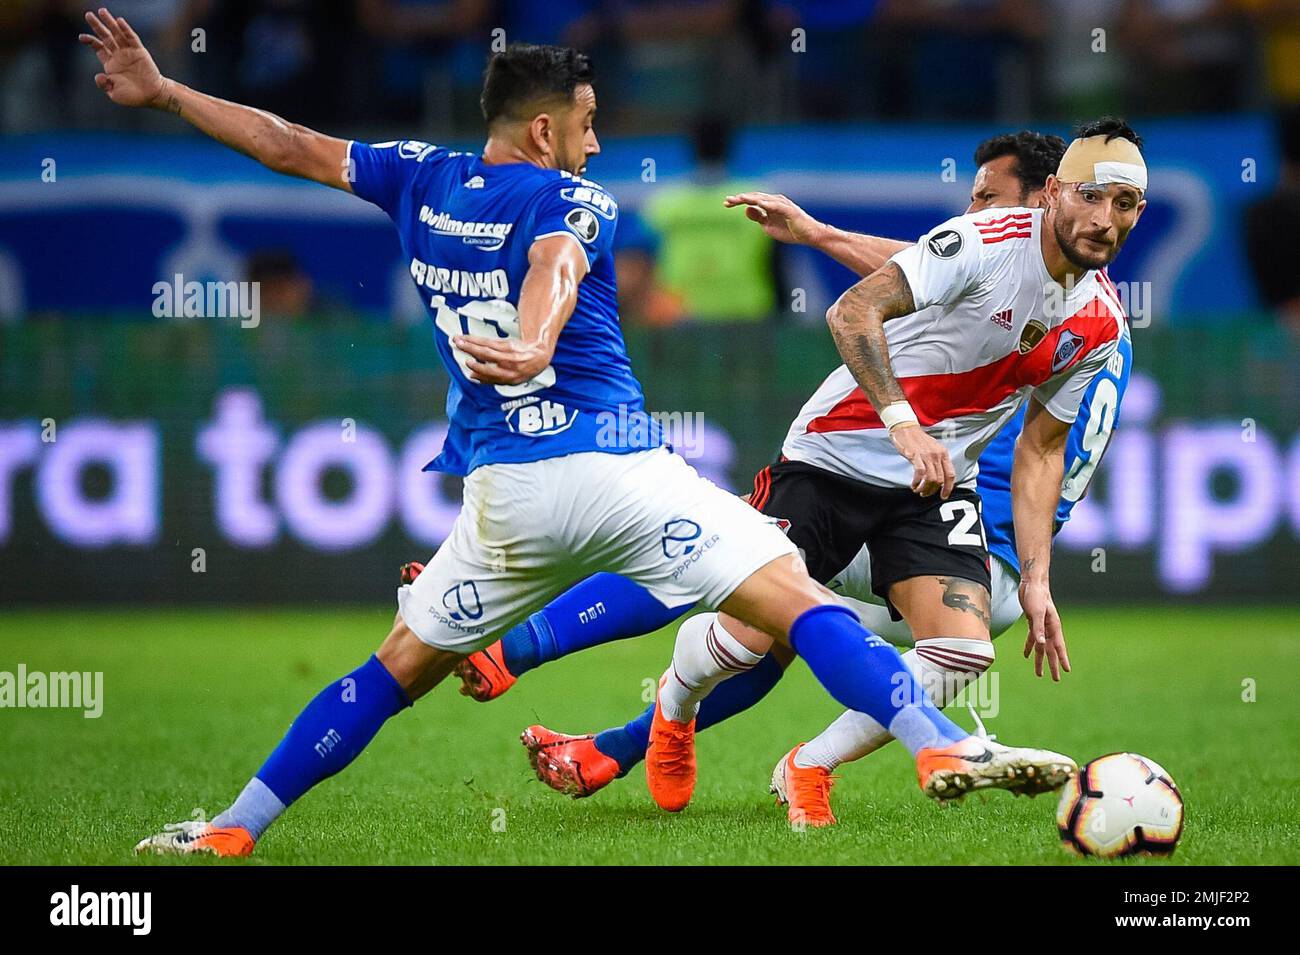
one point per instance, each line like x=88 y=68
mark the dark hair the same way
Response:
x=524 y=73
x=1037 y=156
x=1109 y=126
x=711 y=138
x=268 y=265
x=1288 y=133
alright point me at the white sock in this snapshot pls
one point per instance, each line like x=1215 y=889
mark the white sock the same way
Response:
x=704 y=656
x=944 y=666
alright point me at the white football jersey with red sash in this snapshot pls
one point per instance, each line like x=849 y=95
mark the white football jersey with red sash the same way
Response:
x=990 y=327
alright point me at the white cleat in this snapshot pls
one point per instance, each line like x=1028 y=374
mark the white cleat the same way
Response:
x=980 y=763
x=193 y=836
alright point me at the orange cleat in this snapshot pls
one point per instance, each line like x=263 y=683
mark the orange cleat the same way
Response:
x=977 y=762
x=483 y=675
x=568 y=764
x=193 y=836
x=806 y=793
x=670 y=760
x=410 y=570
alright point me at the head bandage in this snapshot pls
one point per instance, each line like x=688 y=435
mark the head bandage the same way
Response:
x=1095 y=160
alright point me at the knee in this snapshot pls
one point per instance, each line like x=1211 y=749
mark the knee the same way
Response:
x=416 y=666
x=783 y=655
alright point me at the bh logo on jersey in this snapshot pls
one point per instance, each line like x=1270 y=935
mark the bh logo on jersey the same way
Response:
x=462 y=601
x=540 y=418
x=592 y=198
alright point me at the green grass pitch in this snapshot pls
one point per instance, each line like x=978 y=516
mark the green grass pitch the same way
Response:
x=195 y=699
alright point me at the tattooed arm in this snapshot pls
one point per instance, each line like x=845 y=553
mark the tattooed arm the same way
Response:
x=857 y=323
x=131 y=78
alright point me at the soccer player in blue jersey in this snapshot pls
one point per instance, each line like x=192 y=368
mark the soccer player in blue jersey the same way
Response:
x=1011 y=171
x=563 y=475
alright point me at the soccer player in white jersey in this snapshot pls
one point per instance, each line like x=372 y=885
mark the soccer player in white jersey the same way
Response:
x=1012 y=170
x=944 y=342
x=512 y=249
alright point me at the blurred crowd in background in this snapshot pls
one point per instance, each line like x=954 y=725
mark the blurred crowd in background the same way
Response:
x=371 y=62
x=699 y=68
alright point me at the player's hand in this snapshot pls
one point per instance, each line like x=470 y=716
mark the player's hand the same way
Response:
x=779 y=217
x=130 y=77
x=1046 y=637
x=503 y=361
x=932 y=468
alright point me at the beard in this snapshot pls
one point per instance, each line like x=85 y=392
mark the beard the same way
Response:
x=1077 y=257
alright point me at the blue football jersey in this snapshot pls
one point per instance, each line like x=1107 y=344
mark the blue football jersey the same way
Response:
x=465 y=228
x=1098 y=416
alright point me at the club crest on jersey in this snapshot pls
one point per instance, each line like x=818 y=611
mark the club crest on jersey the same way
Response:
x=1067 y=348
x=944 y=244
x=1035 y=331
x=584 y=224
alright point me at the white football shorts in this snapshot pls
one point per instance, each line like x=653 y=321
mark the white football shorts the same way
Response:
x=526 y=532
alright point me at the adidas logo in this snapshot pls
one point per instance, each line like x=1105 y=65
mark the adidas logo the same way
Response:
x=475 y=183
x=1002 y=318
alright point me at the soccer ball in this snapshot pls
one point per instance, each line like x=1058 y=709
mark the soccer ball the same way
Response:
x=1118 y=805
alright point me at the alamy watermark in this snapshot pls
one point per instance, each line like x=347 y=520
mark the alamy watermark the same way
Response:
x=56 y=690
x=1134 y=297
x=634 y=428
x=961 y=689
x=181 y=299
x=133 y=909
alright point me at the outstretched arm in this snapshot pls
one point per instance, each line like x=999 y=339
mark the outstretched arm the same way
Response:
x=857 y=322
x=131 y=78
x=1035 y=493
x=785 y=221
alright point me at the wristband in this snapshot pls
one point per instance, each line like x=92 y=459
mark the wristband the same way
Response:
x=897 y=415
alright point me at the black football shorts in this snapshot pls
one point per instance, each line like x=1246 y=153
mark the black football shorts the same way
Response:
x=830 y=518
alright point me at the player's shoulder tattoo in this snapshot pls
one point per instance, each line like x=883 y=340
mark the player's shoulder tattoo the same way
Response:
x=885 y=289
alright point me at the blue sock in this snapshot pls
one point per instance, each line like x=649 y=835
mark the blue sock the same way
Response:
x=626 y=745
x=333 y=729
x=865 y=673
x=600 y=609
